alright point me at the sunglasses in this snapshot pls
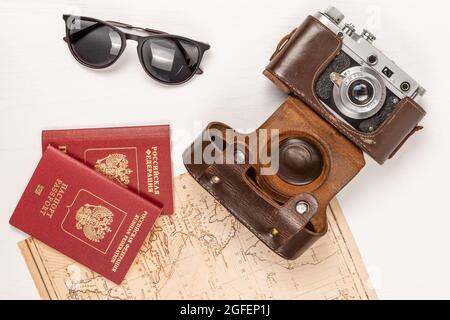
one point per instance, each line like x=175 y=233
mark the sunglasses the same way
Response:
x=167 y=58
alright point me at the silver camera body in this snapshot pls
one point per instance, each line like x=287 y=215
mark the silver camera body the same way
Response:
x=361 y=85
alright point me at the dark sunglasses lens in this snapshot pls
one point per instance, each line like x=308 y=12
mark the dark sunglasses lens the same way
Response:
x=170 y=60
x=94 y=43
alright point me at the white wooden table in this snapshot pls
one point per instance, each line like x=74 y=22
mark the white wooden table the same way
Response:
x=397 y=212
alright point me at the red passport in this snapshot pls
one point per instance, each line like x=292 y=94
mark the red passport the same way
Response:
x=137 y=158
x=84 y=215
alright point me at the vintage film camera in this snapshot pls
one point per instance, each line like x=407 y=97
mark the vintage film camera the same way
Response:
x=346 y=98
x=349 y=82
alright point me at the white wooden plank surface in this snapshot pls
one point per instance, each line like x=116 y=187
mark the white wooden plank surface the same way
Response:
x=397 y=212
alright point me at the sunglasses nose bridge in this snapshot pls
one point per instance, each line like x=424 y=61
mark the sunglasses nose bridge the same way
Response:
x=133 y=37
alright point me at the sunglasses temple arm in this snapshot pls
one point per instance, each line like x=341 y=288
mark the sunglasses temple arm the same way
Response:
x=183 y=51
x=81 y=33
x=129 y=26
x=120 y=24
x=155 y=31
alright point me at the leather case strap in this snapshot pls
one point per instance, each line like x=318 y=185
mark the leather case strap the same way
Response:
x=300 y=59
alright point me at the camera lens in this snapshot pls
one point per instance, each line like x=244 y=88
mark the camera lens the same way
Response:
x=360 y=92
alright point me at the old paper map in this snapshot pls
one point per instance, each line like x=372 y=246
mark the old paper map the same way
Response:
x=202 y=252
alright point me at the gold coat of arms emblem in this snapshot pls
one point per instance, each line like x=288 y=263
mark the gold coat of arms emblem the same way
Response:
x=95 y=221
x=115 y=167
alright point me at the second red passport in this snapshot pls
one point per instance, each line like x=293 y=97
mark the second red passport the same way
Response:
x=137 y=158
x=84 y=215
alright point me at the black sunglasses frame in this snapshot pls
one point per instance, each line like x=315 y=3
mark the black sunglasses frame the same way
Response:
x=202 y=47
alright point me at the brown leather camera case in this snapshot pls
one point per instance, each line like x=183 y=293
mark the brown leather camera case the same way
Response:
x=300 y=59
x=267 y=204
